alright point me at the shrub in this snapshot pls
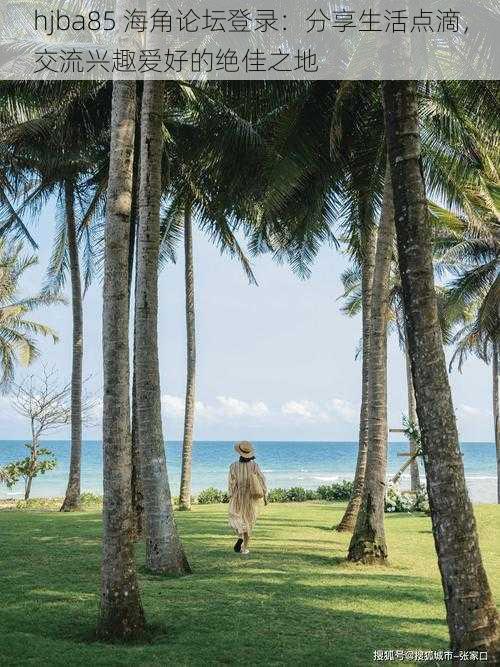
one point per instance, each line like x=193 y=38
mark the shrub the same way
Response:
x=89 y=499
x=296 y=494
x=334 y=492
x=395 y=501
x=39 y=504
x=276 y=496
x=211 y=495
x=421 y=500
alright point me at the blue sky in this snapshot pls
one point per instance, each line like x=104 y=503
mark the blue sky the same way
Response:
x=275 y=362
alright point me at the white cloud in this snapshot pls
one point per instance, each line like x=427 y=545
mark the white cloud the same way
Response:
x=327 y=411
x=344 y=409
x=173 y=406
x=465 y=410
x=233 y=407
x=225 y=407
x=305 y=409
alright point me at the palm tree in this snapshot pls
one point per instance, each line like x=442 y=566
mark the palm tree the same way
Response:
x=187 y=442
x=472 y=300
x=471 y=613
x=58 y=158
x=368 y=540
x=470 y=340
x=121 y=615
x=164 y=550
x=72 y=496
x=354 y=302
x=205 y=133
x=368 y=249
x=17 y=331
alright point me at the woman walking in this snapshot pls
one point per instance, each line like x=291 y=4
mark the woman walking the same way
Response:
x=247 y=486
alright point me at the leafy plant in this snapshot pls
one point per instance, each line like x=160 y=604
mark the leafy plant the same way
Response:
x=335 y=492
x=396 y=501
x=296 y=494
x=277 y=496
x=211 y=495
x=37 y=463
x=412 y=433
x=421 y=503
x=90 y=500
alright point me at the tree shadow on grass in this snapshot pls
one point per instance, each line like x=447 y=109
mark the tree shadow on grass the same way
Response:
x=290 y=623
x=288 y=602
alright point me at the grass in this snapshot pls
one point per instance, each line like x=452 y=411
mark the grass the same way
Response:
x=293 y=601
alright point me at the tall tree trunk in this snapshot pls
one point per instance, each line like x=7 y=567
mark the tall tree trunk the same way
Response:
x=137 y=493
x=496 y=408
x=369 y=246
x=187 y=444
x=164 y=552
x=368 y=540
x=412 y=416
x=121 y=614
x=471 y=614
x=72 y=498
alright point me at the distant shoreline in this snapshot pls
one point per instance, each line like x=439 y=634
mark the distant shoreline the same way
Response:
x=286 y=464
x=229 y=442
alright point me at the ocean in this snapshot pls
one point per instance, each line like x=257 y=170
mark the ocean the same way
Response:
x=285 y=464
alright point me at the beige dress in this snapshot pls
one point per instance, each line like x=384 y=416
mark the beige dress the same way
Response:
x=242 y=507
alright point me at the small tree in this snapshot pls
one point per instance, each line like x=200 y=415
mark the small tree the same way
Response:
x=47 y=404
x=39 y=461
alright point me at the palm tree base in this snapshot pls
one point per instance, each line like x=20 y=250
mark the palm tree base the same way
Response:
x=344 y=528
x=71 y=505
x=176 y=565
x=368 y=552
x=348 y=521
x=122 y=624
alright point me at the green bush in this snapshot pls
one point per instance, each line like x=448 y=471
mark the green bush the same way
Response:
x=296 y=495
x=334 y=492
x=89 y=499
x=276 y=496
x=211 y=495
x=38 y=504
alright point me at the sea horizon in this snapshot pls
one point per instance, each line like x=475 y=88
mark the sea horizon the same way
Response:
x=286 y=463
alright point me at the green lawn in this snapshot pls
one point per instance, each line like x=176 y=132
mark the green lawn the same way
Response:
x=293 y=601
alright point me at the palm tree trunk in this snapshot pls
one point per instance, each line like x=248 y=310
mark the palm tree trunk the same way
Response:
x=72 y=498
x=121 y=615
x=368 y=541
x=412 y=416
x=369 y=246
x=187 y=445
x=164 y=552
x=137 y=492
x=471 y=614
x=496 y=408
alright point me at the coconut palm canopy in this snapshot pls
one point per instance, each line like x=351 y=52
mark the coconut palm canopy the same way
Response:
x=404 y=174
x=18 y=331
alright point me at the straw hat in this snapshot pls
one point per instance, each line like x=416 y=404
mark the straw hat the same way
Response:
x=245 y=449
